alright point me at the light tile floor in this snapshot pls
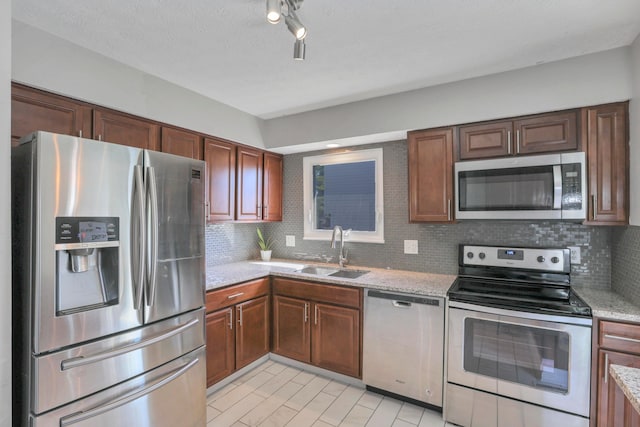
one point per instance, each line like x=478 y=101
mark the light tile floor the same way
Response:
x=276 y=395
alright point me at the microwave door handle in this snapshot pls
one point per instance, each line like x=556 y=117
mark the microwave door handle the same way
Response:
x=557 y=186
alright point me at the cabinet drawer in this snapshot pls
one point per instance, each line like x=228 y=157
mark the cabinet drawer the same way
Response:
x=221 y=298
x=339 y=295
x=619 y=336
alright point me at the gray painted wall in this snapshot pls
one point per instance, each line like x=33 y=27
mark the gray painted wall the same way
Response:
x=557 y=85
x=438 y=244
x=5 y=213
x=51 y=63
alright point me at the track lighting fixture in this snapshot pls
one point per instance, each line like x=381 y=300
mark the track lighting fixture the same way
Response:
x=295 y=26
x=276 y=9
x=299 y=50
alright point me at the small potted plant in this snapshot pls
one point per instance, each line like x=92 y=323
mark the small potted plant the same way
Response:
x=265 y=246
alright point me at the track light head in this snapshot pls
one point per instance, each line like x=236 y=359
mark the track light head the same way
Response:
x=295 y=26
x=274 y=11
x=299 y=50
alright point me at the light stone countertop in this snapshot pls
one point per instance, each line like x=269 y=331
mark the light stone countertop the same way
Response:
x=629 y=381
x=608 y=304
x=376 y=278
x=604 y=303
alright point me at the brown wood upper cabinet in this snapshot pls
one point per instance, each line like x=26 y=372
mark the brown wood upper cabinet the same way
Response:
x=244 y=183
x=181 y=143
x=541 y=133
x=431 y=175
x=272 y=187
x=120 y=128
x=220 y=157
x=605 y=130
x=33 y=109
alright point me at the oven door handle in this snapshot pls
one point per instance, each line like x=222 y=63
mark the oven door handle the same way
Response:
x=557 y=186
x=579 y=321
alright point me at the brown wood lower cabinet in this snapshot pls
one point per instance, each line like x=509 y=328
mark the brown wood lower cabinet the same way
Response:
x=237 y=327
x=318 y=324
x=618 y=344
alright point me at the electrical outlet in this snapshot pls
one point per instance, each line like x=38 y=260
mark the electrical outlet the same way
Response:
x=575 y=254
x=411 y=247
x=290 y=240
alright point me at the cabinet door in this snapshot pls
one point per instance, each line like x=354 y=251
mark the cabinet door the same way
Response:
x=431 y=175
x=220 y=345
x=33 y=110
x=220 y=157
x=123 y=129
x=611 y=399
x=272 y=187
x=486 y=140
x=252 y=331
x=335 y=339
x=249 y=173
x=181 y=143
x=547 y=133
x=608 y=158
x=291 y=328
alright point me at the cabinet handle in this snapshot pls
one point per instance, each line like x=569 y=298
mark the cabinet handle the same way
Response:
x=617 y=337
x=266 y=211
x=80 y=133
x=594 y=203
x=240 y=315
x=239 y=294
x=606 y=367
x=230 y=313
x=306 y=312
x=508 y=142
x=206 y=210
x=99 y=137
x=518 y=141
x=315 y=321
x=449 y=210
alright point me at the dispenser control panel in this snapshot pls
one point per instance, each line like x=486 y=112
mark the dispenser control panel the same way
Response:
x=87 y=230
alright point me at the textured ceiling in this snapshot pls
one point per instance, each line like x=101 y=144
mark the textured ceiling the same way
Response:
x=356 y=49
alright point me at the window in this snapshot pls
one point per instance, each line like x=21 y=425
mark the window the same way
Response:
x=344 y=189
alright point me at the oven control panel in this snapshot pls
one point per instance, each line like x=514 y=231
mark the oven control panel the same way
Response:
x=553 y=260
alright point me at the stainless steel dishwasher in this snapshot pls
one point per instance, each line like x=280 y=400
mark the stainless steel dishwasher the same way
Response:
x=403 y=345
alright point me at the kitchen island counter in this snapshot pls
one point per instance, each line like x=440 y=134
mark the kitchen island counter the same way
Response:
x=628 y=379
x=376 y=278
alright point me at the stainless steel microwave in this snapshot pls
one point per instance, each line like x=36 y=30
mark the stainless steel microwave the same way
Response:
x=551 y=186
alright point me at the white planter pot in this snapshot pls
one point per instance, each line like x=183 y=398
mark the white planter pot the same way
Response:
x=265 y=255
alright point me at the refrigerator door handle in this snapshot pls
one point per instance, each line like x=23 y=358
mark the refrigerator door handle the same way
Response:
x=123 y=400
x=127 y=348
x=152 y=199
x=140 y=250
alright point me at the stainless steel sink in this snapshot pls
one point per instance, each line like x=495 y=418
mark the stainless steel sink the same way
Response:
x=349 y=274
x=333 y=272
x=320 y=271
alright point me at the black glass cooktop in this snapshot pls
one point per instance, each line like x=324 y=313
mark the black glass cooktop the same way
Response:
x=544 y=298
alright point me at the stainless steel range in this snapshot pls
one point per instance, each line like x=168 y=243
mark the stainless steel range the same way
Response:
x=519 y=350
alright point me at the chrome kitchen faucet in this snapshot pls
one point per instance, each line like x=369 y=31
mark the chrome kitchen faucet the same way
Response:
x=342 y=257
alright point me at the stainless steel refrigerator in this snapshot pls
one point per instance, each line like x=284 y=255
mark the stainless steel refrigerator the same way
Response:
x=108 y=287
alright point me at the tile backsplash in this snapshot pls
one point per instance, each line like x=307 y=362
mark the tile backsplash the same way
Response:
x=625 y=261
x=437 y=244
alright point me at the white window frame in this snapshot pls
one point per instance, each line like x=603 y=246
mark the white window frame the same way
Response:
x=310 y=232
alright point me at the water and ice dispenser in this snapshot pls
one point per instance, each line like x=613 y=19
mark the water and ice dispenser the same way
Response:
x=87 y=266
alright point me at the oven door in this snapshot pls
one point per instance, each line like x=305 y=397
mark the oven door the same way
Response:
x=539 y=360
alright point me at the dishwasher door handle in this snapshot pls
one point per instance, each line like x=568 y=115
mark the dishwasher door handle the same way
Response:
x=401 y=304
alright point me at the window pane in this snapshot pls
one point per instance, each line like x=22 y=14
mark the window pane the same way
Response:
x=345 y=195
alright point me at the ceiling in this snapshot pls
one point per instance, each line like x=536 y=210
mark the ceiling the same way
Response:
x=356 y=50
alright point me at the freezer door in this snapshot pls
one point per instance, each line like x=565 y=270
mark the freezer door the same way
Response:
x=61 y=177
x=175 y=218
x=74 y=373
x=171 y=395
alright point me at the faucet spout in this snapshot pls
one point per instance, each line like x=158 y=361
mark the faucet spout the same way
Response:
x=342 y=259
